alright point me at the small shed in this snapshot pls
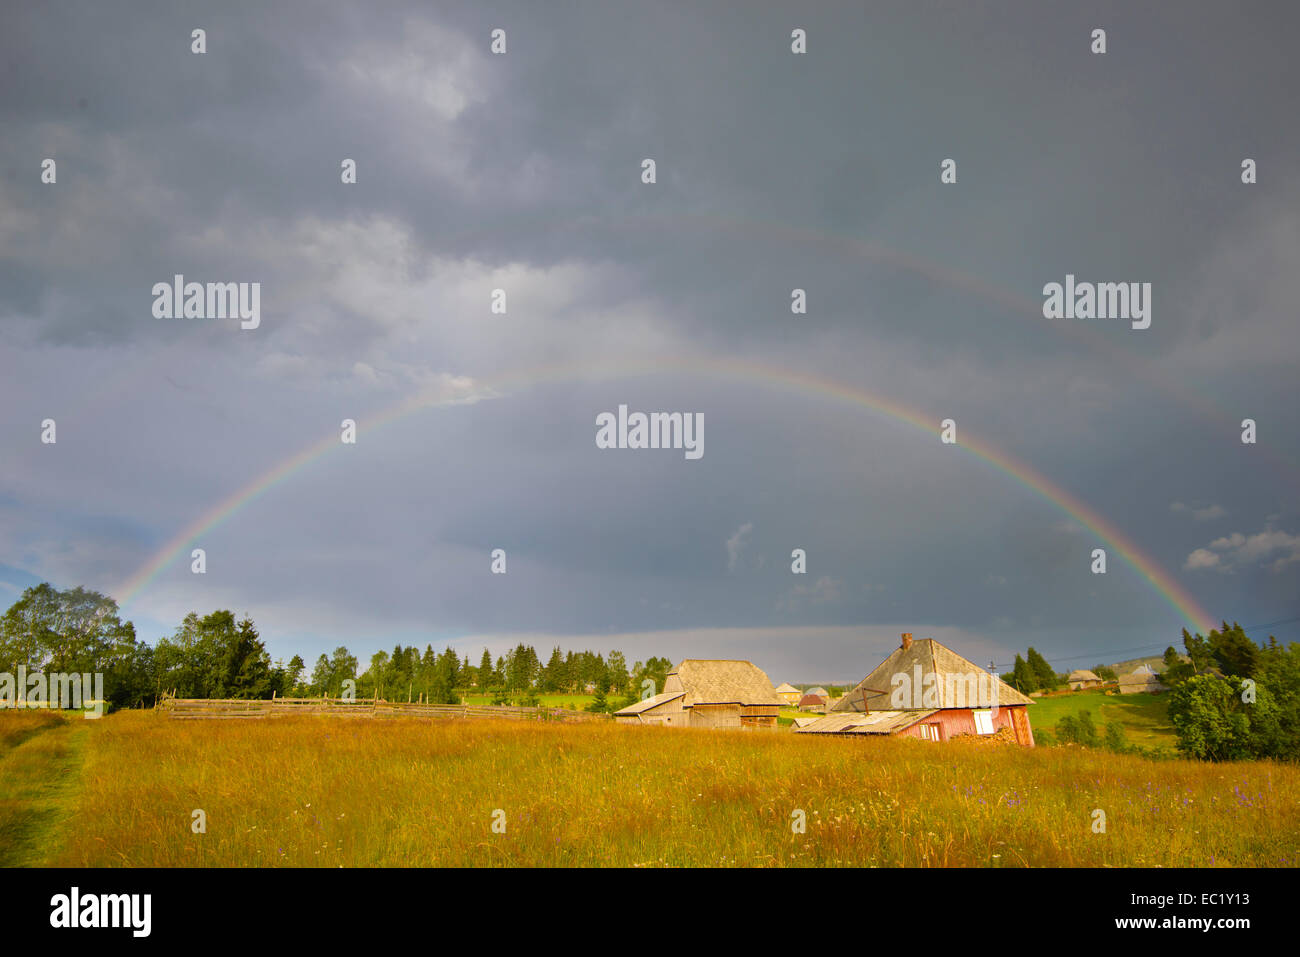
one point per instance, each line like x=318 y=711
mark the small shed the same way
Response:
x=812 y=702
x=1082 y=679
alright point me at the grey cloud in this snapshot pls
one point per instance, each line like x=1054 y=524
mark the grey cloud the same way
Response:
x=775 y=172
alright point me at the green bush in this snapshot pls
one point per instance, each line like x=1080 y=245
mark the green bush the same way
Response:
x=1115 y=738
x=1077 y=730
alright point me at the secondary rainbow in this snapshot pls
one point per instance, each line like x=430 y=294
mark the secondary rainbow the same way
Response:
x=734 y=368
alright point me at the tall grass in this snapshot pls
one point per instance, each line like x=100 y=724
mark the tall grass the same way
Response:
x=319 y=791
x=19 y=724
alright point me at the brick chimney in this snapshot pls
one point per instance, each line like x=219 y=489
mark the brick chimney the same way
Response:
x=907 y=640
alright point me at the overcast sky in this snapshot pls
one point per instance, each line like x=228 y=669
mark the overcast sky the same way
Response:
x=522 y=171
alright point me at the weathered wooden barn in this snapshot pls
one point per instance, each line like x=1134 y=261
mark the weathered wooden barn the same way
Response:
x=926 y=690
x=1081 y=680
x=709 y=693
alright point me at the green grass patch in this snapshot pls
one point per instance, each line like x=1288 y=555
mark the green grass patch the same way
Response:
x=1145 y=717
x=785 y=718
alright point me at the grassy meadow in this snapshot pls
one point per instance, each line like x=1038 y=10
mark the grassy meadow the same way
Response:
x=321 y=791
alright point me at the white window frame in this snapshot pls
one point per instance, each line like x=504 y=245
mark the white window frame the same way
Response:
x=983 y=720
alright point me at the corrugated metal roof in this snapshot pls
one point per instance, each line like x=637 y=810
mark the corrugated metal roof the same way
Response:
x=873 y=722
x=648 y=703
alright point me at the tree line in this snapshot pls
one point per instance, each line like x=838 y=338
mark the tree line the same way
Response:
x=1032 y=673
x=220 y=656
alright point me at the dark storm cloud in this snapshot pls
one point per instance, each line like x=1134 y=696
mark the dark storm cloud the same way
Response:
x=774 y=172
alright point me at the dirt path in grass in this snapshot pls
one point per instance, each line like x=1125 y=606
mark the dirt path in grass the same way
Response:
x=40 y=778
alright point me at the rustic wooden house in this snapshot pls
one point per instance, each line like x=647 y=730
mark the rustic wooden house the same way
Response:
x=710 y=693
x=926 y=690
x=1081 y=680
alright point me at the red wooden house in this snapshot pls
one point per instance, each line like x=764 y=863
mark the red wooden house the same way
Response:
x=926 y=690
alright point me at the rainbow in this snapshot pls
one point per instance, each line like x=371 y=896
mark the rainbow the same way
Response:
x=736 y=368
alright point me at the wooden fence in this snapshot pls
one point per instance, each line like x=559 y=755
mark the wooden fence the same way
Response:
x=356 y=708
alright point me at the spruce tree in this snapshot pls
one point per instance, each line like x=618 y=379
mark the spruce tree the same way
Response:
x=1023 y=677
x=1042 y=671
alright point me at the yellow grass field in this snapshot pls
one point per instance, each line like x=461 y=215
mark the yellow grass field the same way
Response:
x=321 y=791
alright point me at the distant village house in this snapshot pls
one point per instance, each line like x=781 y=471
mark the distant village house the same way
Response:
x=1082 y=680
x=1142 y=680
x=788 y=693
x=814 y=699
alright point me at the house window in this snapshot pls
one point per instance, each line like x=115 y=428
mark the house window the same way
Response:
x=983 y=722
x=930 y=732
